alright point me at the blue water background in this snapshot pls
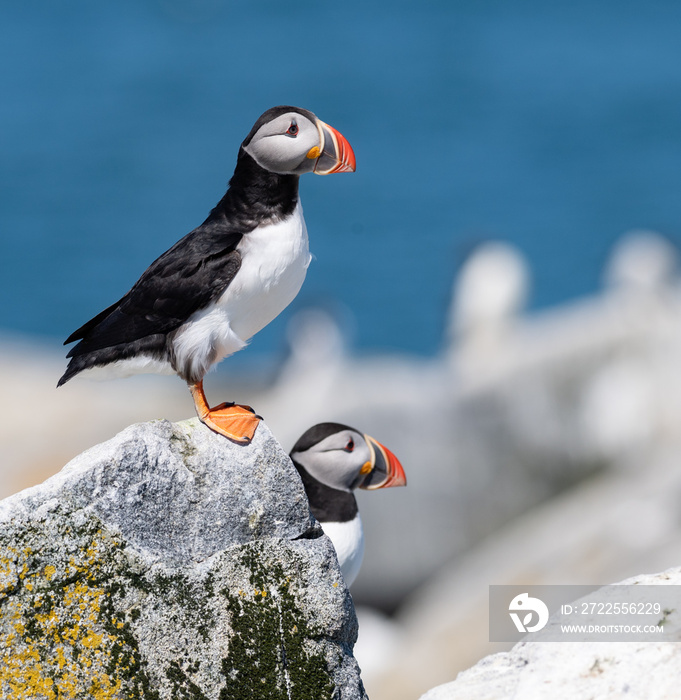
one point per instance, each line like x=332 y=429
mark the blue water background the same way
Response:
x=556 y=126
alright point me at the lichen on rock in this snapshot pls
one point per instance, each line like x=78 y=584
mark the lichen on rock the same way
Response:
x=59 y=613
x=98 y=601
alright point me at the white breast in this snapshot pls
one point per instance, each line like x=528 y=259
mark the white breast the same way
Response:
x=348 y=541
x=274 y=261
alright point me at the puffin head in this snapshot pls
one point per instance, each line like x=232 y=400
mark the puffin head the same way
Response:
x=343 y=458
x=292 y=141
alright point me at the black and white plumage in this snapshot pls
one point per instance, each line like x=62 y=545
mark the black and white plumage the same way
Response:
x=333 y=460
x=205 y=297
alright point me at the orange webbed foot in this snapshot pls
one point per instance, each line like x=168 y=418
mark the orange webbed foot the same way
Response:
x=234 y=421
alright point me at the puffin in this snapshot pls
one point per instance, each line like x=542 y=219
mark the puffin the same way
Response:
x=333 y=460
x=204 y=298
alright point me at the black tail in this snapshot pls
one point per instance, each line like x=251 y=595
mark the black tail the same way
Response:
x=71 y=371
x=83 y=358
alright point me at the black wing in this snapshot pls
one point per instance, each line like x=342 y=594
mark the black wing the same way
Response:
x=186 y=278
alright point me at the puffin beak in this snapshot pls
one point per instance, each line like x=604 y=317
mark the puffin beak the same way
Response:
x=385 y=469
x=334 y=155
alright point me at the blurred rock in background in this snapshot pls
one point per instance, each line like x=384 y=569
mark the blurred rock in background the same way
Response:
x=539 y=448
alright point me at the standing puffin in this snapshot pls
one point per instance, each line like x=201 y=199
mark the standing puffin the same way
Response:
x=205 y=297
x=333 y=460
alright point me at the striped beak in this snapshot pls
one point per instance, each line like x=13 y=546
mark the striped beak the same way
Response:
x=335 y=154
x=384 y=469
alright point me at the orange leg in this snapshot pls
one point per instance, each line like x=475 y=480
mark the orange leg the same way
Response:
x=235 y=422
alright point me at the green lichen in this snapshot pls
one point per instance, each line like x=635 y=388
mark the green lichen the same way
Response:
x=183 y=687
x=192 y=597
x=665 y=617
x=270 y=655
x=180 y=441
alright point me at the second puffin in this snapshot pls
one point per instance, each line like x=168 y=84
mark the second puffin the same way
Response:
x=205 y=297
x=333 y=460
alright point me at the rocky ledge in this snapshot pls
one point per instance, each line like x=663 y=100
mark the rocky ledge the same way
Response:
x=170 y=563
x=581 y=670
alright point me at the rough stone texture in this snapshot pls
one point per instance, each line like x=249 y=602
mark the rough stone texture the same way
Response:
x=171 y=563
x=576 y=670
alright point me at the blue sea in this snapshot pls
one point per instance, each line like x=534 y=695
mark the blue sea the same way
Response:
x=554 y=126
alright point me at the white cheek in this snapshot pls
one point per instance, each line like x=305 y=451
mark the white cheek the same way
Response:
x=281 y=153
x=338 y=473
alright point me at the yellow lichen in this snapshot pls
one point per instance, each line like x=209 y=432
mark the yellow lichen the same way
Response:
x=67 y=653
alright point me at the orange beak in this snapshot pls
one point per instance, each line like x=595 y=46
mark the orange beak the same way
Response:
x=386 y=469
x=335 y=154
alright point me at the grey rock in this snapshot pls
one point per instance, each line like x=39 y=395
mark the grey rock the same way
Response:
x=170 y=563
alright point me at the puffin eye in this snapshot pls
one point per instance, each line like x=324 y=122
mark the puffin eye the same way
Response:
x=293 y=129
x=350 y=445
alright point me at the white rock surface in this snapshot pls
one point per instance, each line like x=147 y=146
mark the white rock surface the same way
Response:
x=578 y=670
